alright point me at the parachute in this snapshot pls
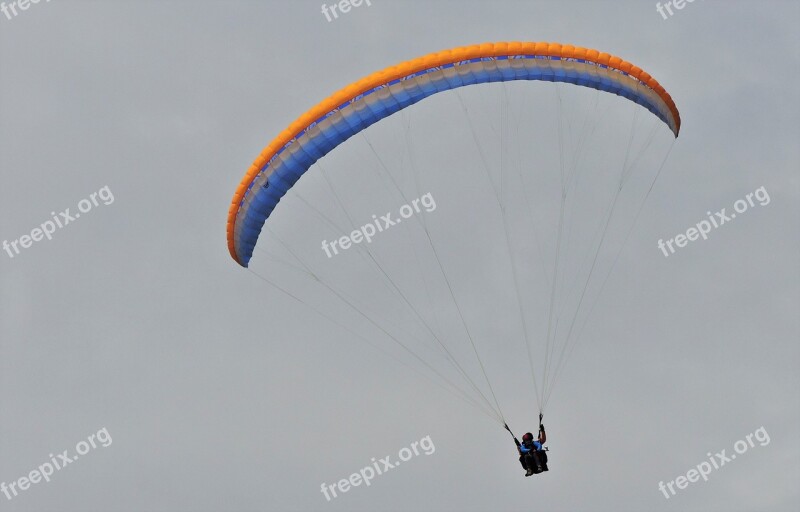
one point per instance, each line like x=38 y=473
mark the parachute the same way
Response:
x=585 y=83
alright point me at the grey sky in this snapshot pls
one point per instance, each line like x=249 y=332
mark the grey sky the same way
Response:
x=221 y=393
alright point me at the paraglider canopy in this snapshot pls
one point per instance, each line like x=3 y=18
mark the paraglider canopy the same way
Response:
x=385 y=92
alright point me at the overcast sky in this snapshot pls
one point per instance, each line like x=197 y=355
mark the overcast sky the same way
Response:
x=214 y=391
